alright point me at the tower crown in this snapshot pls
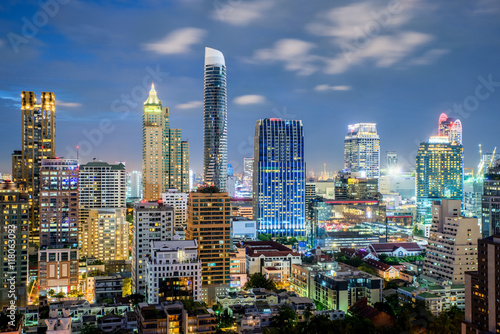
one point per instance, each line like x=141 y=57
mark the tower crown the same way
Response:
x=152 y=98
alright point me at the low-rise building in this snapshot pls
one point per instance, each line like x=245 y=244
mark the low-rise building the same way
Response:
x=243 y=228
x=397 y=249
x=383 y=270
x=100 y=288
x=437 y=297
x=238 y=268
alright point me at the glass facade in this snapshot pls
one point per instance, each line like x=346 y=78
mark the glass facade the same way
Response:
x=215 y=120
x=491 y=201
x=439 y=174
x=362 y=149
x=280 y=177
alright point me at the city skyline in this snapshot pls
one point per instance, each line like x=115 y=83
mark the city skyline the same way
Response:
x=437 y=68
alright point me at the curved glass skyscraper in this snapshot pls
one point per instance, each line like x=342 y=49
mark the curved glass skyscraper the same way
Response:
x=215 y=120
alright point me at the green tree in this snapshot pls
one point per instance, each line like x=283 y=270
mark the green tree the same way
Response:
x=136 y=298
x=264 y=237
x=285 y=320
x=258 y=280
x=90 y=329
x=127 y=286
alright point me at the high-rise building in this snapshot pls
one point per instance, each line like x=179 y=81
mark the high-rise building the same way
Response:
x=209 y=223
x=392 y=160
x=38 y=142
x=153 y=221
x=279 y=177
x=17 y=166
x=102 y=185
x=215 y=120
x=173 y=271
x=482 y=290
x=14 y=227
x=439 y=174
x=452 y=245
x=362 y=149
x=247 y=174
x=490 y=203
x=451 y=128
x=59 y=203
x=178 y=201
x=165 y=156
x=134 y=186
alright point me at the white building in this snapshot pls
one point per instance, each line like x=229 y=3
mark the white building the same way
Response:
x=452 y=246
x=134 y=185
x=243 y=228
x=362 y=150
x=178 y=201
x=396 y=249
x=153 y=221
x=173 y=271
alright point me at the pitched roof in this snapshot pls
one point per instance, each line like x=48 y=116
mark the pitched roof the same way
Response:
x=391 y=247
x=378 y=265
x=266 y=248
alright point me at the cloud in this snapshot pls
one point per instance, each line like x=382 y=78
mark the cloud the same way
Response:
x=250 y=99
x=60 y=103
x=177 y=42
x=294 y=53
x=429 y=57
x=190 y=105
x=326 y=87
x=239 y=12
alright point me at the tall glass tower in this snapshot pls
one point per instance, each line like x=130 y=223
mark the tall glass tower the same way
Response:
x=362 y=149
x=279 y=177
x=439 y=174
x=215 y=120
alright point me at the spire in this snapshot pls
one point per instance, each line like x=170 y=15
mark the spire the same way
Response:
x=152 y=99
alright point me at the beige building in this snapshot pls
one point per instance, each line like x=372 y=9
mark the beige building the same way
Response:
x=106 y=235
x=452 y=245
x=165 y=157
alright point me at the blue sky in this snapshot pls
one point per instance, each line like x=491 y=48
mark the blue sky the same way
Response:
x=398 y=63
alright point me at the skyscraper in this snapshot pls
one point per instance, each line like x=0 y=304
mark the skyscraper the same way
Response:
x=134 y=185
x=392 y=160
x=209 y=223
x=14 y=223
x=38 y=142
x=451 y=128
x=247 y=174
x=490 y=202
x=439 y=174
x=165 y=156
x=279 y=177
x=215 y=120
x=362 y=149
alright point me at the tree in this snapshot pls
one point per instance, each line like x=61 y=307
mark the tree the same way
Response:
x=52 y=292
x=107 y=301
x=258 y=280
x=90 y=329
x=264 y=237
x=208 y=190
x=136 y=298
x=127 y=286
x=285 y=320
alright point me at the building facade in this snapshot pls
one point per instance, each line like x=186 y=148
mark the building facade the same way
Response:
x=279 y=177
x=439 y=174
x=362 y=149
x=209 y=222
x=482 y=292
x=153 y=221
x=215 y=120
x=38 y=142
x=177 y=200
x=452 y=245
x=165 y=156
x=173 y=271
x=14 y=222
x=490 y=201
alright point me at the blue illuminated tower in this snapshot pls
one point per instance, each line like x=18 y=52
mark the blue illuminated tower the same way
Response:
x=215 y=120
x=279 y=177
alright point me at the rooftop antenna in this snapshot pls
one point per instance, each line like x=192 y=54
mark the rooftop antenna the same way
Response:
x=77 y=152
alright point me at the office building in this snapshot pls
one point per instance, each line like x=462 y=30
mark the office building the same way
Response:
x=58 y=270
x=14 y=222
x=452 y=245
x=104 y=287
x=165 y=156
x=59 y=203
x=38 y=142
x=134 y=186
x=362 y=150
x=177 y=200
x=279 y=177
x=451 y=128
x=490 y=203
x=209 y=222
x=153 y=221
x=482 y=290
x=102 y=185
x=173 y=271
x=215 y=120
x=248 y=174
x=243 y=228
x=17 y=167
x=106 y=235
x=439 y=174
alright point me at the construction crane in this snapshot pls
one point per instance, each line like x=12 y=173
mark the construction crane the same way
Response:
x=492 y=158
x=481 y=162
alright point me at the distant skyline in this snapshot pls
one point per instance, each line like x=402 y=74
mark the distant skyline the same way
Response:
x=396 y=63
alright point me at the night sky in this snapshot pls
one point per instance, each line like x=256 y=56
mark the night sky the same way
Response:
x=399 y=63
